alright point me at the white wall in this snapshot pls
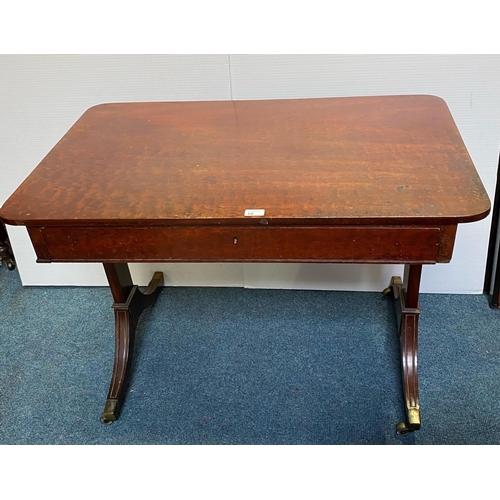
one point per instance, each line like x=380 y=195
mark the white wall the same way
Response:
x=42 y=96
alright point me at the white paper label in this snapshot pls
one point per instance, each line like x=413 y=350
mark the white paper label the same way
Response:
x=252 y=212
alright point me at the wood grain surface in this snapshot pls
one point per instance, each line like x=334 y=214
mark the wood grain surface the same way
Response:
x=360 y=160
x=239 y=244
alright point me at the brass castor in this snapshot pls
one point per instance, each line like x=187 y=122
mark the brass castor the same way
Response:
x=388 y=292
x=402 y=428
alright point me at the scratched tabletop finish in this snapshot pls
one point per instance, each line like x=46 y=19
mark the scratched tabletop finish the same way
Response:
x=357 y=160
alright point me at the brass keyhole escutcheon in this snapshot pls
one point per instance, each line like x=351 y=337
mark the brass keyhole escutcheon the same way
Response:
x=235 y=240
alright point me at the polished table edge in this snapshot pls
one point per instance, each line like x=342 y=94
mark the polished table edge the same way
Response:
x=335 y=147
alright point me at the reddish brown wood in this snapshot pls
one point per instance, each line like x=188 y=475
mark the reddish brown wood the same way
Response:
x=365 y=179
x=408 y=311
x=120 y=281
x=409 y=354
x=446 y=243
x=264 y=243
x=411 y=283
x=360 y=160
x=129 y=305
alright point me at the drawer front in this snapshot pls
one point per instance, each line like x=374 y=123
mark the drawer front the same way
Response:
x=239 y=244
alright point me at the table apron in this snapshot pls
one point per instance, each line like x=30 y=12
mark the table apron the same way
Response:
x=384 y=244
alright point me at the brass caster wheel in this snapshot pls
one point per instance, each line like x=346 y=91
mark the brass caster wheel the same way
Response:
x=402 y=429
x=388 y=292
x=105 y=420
x=110 y=413
x=10 y=265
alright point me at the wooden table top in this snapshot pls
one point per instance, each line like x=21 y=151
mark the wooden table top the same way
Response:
x=356 y=160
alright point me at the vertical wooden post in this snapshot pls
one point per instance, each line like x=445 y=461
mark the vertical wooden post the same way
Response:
x=120 y=281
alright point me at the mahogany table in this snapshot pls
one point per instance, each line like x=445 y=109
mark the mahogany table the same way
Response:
x=358 y=180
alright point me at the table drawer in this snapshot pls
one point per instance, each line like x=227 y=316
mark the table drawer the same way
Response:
x=252 y=244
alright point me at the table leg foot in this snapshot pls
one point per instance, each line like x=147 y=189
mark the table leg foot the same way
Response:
x=126 y=318
x=413 y=423
x=393 y=289
x=110 y=413
x=408 y=311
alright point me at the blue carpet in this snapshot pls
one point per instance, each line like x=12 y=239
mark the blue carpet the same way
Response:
x=240 y=366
